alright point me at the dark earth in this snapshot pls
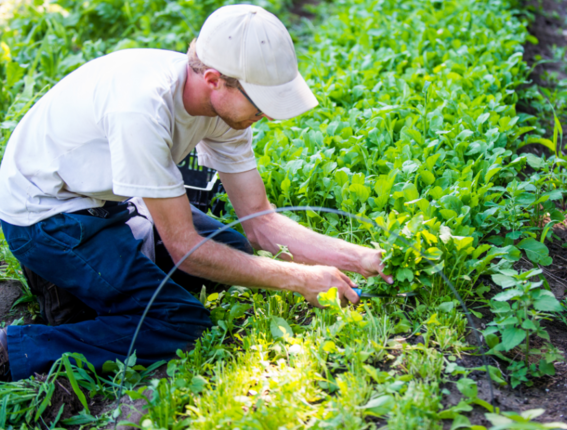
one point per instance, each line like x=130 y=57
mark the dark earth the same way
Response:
x=549 y=393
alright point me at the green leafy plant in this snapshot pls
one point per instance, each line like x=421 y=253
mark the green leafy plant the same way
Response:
x=523 y=421
x=518 y=322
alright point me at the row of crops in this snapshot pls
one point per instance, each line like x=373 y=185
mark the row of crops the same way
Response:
x=418 y=131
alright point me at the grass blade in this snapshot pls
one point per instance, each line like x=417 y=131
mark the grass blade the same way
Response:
x=73 y=381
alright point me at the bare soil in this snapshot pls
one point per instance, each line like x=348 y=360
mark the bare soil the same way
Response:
x=550 y=29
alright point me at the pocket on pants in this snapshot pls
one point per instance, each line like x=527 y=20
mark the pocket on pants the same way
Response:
x=19 y=238
x=62 y=230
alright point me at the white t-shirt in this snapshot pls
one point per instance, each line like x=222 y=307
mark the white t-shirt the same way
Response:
x=114 y=128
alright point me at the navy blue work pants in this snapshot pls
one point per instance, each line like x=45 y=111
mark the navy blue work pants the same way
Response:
x=99 y=261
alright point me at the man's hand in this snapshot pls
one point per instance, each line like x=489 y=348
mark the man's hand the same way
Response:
x=371 y=264
x=319 y=279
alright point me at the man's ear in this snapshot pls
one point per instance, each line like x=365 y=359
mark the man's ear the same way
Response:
x=212 y=79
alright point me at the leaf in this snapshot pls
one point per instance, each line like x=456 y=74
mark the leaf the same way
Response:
x=427 y=177
x=512 y=337
x=80 y=419
x=448 y=214
x=521 y=131
x=554 y=194
x=198 y=384
x=498 y=420
x=433 y=253
x=445 y=234
x=503 y=280
x=14 y=73
x=410 y=192
x=71 y=375
x=534 y=41
x=464 y=134
x=480 y=250
x=341 y=177
x=529 y=325
x=468 y=387
x=71 y=62
x=110 y=366
x=404 y=274
x=433 y=320
x=329 y=346
x=482 y=118
x=383 y=187
x=507 y=295
x=534 y=161
x=237 y=311
x=546 y=368
x=330 y=298
x=431 y=160
x=462 y=242
x=434 y=269
x=285 y=185
x=530 y=414
x=280 y=328
x=124 y=44
x=536 y=251
x=545 y=142
x=556 y=130
x=549 y=304
x=446 y=306
x=429 y=237
x=380 y=405
x=495 y=373
x=493 y=170
x=362 y=193
x=460 y=422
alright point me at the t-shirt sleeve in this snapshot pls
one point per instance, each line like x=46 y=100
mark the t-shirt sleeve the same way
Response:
x=140 y=155
x=227 y=150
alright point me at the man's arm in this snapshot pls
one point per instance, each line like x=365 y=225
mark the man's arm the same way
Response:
x=248 y=195
x=221 y=263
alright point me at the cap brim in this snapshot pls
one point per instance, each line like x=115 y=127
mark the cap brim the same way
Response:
x=282 y=101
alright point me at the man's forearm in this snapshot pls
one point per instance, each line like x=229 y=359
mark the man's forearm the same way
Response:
x=221 y=263
x=307 y=246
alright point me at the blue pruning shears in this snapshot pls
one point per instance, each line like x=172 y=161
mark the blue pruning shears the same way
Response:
x=366 y=295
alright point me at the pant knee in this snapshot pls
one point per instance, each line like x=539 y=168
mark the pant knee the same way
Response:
x=238 y=241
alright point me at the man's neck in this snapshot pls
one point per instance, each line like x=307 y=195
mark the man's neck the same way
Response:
x=196 y=95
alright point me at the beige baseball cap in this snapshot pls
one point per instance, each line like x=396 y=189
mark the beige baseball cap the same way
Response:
x=252 y=45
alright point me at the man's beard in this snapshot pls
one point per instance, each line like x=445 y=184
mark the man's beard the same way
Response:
x=236 y=125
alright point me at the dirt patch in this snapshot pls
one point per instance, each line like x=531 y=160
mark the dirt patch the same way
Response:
x=63 y=396
x=548 y=392
x=550 y=29
x=10 y=291
x=298 y=8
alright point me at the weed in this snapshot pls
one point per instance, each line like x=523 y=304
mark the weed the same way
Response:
x=518 y=322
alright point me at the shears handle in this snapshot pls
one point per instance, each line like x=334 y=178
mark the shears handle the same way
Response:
x=361 y=294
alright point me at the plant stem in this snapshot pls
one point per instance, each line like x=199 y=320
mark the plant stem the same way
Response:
x=526 y=361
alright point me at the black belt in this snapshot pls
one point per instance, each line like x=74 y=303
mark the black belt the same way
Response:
x=109 y=208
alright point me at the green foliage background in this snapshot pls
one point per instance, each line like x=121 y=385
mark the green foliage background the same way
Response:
x=418 y=130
